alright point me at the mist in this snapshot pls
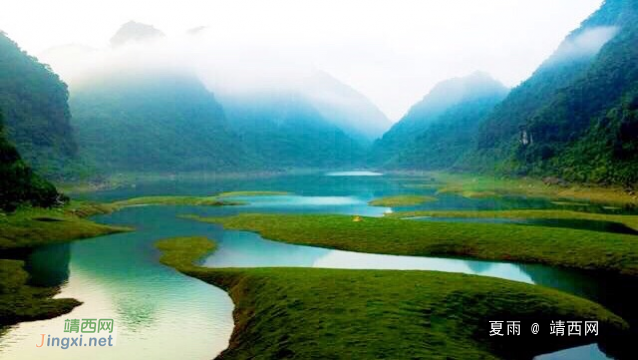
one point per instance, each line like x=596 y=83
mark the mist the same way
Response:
x=586 y=44
x=391 y=54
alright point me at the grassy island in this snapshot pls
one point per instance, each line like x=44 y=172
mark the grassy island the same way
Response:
x=31 y=227
x=214 y=200
x=176 y=201
x=479 y=186
x=370 y=314
x=253 y=193
x=581 y=249
x=402 y=200
x=630 y=221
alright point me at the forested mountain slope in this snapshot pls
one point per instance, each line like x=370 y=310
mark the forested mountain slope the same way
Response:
x=576 y=116
x=450 y=137
x=37 y=117
x=284 y=130
x=431 y=125
x=134 y=121
x=19 y=185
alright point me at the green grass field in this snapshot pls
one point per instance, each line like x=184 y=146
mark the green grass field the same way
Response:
x=214 y=200
x=402 y=200
x=307 y=313
x=176 y=201
x=479 y=186
x=581 y=249
x=253 y=193
x=30 y=227
x=630 y=221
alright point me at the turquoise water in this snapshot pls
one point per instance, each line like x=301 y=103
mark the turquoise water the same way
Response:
x=161 y=314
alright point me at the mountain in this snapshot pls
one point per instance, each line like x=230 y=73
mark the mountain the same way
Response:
x=284 y=130
x=37 y=116
x=345 y=107
x=149 y=120
x=450 y=104
x=582 y=98
x=450 y=137
x=19 y=185
x=134 y=32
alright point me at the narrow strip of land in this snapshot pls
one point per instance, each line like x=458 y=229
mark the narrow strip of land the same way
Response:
x=370 y=314
x=581 y=249
x=253 y=193
x=31 y=227
x=630 y=221
x=402 y=200
x=214 y=200
x=176 y=201
x=479 y=186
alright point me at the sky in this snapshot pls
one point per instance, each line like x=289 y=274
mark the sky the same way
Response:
x=393 y=52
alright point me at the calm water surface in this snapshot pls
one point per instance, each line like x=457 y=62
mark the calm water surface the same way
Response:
x=161 y=314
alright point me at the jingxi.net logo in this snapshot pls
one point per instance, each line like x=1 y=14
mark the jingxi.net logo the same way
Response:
x=81 y=333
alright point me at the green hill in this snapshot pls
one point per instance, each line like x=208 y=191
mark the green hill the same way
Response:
x=285 y=131
x=441 y=127
x=153 y=121
x=576 y=116
x=18 y=183
x=36 y=113
x=448 y=139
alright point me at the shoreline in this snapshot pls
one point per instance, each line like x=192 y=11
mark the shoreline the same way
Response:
x=306 y=312
x=28 y=228
x=569 y=248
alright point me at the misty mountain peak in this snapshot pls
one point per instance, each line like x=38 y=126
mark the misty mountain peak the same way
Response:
x=456 y=97
x=135 y=32
x=452 y=91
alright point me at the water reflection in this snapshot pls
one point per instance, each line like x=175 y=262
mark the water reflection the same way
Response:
x=244 y=249
x=159 y=313
x=479 y=267
x=48 y=266
x=164 y=315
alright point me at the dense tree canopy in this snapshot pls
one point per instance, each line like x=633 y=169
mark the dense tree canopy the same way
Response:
x=286 y=131
x=153 y=121
x=36 y=112
x=19 y=185
x=574 y=116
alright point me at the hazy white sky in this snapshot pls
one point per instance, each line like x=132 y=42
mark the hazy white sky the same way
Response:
x=391 y=51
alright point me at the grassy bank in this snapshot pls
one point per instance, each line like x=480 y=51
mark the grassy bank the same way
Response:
x=21 y=302
x=581 y=249
x=214 y=200
x=31 y=227
x=176 y=201
x=477 y=186
x=402 y=200
x=630 y=221
x=253 y=193
x=369 y=314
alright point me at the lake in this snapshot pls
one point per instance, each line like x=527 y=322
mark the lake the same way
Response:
x=161 y=314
